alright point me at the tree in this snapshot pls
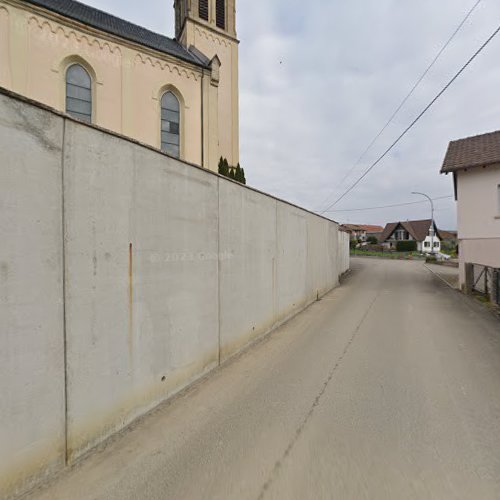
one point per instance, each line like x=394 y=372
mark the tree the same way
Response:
x=223 y=167
x=372 y=240
x=234 y=173
x=237 y=174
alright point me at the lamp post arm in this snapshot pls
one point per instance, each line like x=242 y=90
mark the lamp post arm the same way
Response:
x=432 y=217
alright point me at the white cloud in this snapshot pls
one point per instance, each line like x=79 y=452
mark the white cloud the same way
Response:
x=318 y=79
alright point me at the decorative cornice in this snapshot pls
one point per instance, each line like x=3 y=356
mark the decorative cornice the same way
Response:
x=210 y=36
x=92 y=33
x=213 y=29
x=68 y=33
x=173 y=68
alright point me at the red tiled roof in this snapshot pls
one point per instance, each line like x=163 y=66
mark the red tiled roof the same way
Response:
x=449 y=235
x=364 y=227
x=478 y=151
x=372 y=229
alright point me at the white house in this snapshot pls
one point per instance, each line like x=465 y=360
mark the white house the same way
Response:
x=424 y=232
x=475 y=165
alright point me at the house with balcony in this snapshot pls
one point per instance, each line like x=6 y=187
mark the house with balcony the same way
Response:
x=424 y=232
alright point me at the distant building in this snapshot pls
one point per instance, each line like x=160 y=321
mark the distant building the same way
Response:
x=362 y=232
x=424 y=232
x=178 y=95
x=475 y=165
x=449 y=236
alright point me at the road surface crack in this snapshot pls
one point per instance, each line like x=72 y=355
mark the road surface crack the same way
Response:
x=317 y=400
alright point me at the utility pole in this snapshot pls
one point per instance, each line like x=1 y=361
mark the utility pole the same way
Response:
x=432 y=219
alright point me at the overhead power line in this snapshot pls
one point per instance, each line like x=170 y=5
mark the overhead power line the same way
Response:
x=405 y=100
x=389 y=206
x=415 y=121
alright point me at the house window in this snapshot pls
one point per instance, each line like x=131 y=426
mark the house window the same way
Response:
x=170 y=124
x=220 y=11
x=203 y=9
x=400 y=234
x=436 y=244
x=79 y=93
x=427 y=244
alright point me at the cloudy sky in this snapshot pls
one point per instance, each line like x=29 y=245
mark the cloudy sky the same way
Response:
x=319 y=79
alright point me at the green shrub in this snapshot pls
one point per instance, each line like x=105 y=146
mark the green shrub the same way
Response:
x=372 y=240
x=406 y=246
x=235 y=173
x=223 y=167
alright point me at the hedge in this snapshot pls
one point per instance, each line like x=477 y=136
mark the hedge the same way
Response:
x=406 y=246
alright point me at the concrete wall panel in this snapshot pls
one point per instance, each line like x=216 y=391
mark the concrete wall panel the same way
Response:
x=318 y=261
x=343 y=252
x=292 y=266
x=142 y=295
x=32 y=431
x=247 y=266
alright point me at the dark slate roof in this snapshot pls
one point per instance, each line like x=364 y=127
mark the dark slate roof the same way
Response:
x=419 y=229
x=479 y=151
x=114 y=25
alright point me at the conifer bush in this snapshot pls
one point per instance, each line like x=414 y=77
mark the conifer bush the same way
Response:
x=235 y=173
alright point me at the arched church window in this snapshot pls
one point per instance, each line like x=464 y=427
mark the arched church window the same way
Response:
x=203 y=9
x=220 y=11
x=79 y=93
x=170 y=124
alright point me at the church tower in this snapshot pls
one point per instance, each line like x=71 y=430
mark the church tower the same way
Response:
x=219 y=15
x=209 y=26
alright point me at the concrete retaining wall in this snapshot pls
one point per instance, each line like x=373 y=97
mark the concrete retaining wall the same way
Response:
x=32 y=393
x=125 y=276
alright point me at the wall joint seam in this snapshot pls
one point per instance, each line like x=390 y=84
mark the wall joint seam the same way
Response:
x=64 y=275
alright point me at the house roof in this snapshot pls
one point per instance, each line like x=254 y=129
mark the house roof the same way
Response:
x=364 y=227
x=449 y=235
x=372 y=229
x=114 y=25
x=419 y=229
x=477 y=151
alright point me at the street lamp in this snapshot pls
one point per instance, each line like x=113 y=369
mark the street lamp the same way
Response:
x=432 y=218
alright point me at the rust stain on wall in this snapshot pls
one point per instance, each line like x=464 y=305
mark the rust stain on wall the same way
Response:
x=130 y=305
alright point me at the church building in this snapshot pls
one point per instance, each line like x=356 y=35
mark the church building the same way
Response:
x=178 y=95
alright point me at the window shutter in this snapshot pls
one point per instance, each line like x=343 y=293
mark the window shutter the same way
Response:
x=203 y=9
x=221 y=14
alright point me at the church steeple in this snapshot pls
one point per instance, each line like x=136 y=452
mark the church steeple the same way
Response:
x=208 y=28
x=218 y=15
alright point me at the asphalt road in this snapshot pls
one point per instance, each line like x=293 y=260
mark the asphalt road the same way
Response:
x=388 y=388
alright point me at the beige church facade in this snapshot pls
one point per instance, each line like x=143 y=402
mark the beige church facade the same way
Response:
x=179 y=95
